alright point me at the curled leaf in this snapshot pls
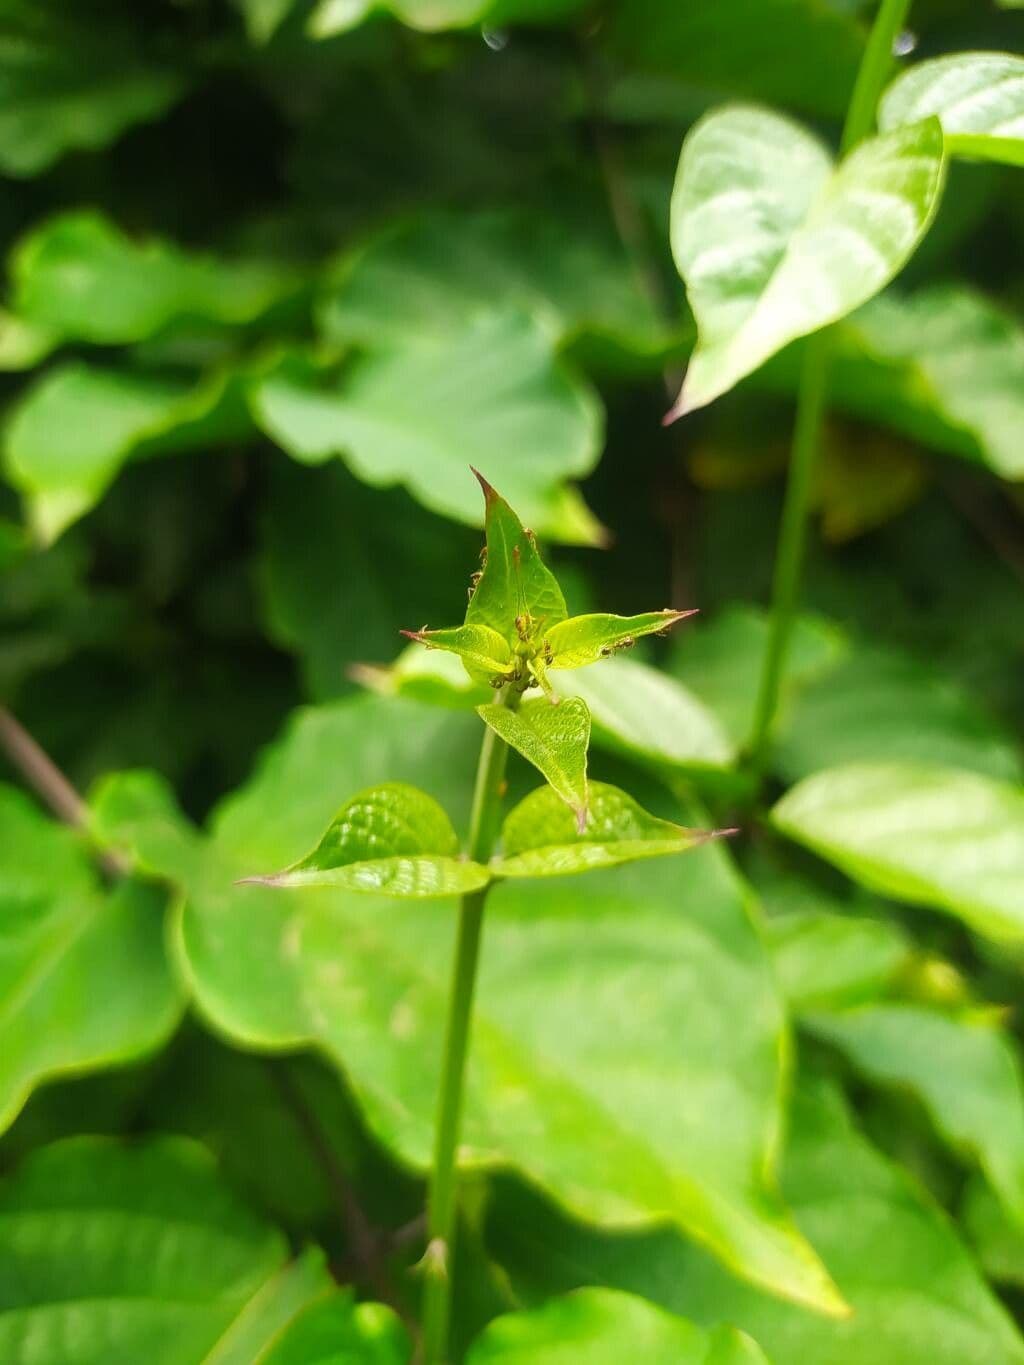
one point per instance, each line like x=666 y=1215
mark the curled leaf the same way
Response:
x=393 y=840
x=585 y=639
x=484 y=653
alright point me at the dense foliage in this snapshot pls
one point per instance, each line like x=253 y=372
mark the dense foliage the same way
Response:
x=278 y=273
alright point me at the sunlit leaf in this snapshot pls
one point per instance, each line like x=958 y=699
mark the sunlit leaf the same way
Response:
x=129 y=1253
x=606 y=1327
x=915 y=1292
x=966 y=1072
x=774 y=243
x=978 y=97
x=672 y=1115
x=392 y=840
x=69 y=434
x=554 y=739
x=485 y=654
x=929 y=835
x=421 y=412
x=586 y=639
x=81 y=276
x=66 y=938
x=541 y=838
x=73 y=79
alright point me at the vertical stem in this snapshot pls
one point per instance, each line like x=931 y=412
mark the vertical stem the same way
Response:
x=441 y=1202
x=811 y=402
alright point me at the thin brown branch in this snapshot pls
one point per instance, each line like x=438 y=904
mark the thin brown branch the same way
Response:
x=49 y=783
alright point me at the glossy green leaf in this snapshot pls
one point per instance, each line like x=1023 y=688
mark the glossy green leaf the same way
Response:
x=554 y=739
x=81 y=276
x=966 y=1072
x=883 y=704
x=65 y=940
x=586 y=639
x=639 y=711
x=485 y=654
x=978 y=97
x=69 y=82
x=798 y=53
x=673 y=1115
x=392 y=840
x=605 y=1327
x=540 y=837
x=932 y=836
x=915 y=1292
x=122 y=1254
x=773 y=243
x=435 y=275
x=69 y=434
x=421 y=412
x=517 y=594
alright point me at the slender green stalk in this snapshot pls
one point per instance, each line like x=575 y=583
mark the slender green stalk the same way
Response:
x=811 y=404
x=441 y=1203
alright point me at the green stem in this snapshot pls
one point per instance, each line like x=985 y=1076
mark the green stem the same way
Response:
x=441 y=1202
x=811 y=404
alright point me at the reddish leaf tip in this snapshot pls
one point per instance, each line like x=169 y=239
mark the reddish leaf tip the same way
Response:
x=581 y=819
x=418 y=635
x=270 y=880
x=490 y=492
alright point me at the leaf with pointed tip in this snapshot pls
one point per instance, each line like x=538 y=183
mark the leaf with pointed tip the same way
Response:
x=978 y=97
x=774 y=242
x=928 y=835
x=554 y=739
x=586 y=639
x=965 y=1071
x=484 y=653
x=606 y=1327
x=392 y=840
x=128 y=1253
x=516 y=586
x=540 y=838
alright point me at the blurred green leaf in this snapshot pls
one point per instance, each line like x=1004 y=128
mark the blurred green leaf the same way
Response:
x=80 y=276
x=69 y=434
x=554 y=739
x=336 y=1331
x=176 y=1269
x=421 y=413
x=932 y=836
x=830 y=961
x=338 y=16
x=978 y=97
x=998 y=1240
x=391 y=840
x=693 y=1086
x=540 y=837
x=965 y=1071
x=606 y=1327
x=66 y=942
x=264 y=17
x=74 y=79
x=916 y=1294
x=774 y=243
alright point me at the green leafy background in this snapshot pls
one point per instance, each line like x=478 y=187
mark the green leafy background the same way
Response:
x=276 y=273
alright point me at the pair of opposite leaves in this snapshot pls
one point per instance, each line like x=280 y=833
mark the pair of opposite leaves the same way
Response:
x=395 y=840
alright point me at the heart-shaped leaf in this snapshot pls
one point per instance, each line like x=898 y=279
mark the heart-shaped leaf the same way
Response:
x=606 y=1327
x=124 y=1254
x=540 y=838
x=932 y=836
x=65 y=940
x=391 y=840
x=586 y=639
x=978 y=97
x=554 y=739
x=774 y=243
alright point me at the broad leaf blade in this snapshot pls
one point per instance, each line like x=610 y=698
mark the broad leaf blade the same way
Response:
x=517 y=594
x=606 y=1327
x=540 y=839
x=584 y=640
x=978 y=97
x=774 y=244
x=485 y=654
x=554 y=739
x=932 y=836
x=391 y=840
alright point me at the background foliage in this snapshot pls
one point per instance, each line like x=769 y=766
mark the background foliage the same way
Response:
x=277 y=272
